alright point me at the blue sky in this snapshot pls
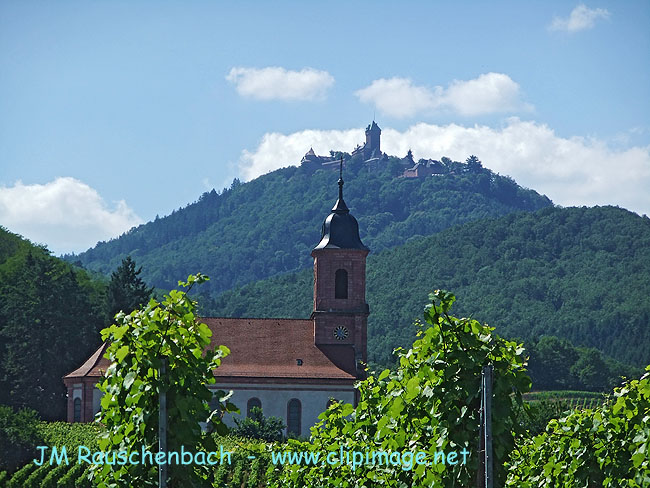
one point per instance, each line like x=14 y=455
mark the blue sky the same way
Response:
x=114 y=112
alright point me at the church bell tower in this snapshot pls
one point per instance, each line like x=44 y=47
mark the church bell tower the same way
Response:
x=340 y=310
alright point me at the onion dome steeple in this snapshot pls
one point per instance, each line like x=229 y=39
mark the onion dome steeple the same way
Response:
x=340 y=229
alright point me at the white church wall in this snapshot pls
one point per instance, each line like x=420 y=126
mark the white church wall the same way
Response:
x=97 y=400
x=275 y=400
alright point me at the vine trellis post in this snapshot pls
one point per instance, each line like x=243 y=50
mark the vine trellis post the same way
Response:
x=162 y=424
x=485 y=475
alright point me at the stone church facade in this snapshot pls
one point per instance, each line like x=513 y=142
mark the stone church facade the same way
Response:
x=291 y=368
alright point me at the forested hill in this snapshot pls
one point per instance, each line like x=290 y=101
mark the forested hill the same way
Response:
x=50 y=316
x=269 y=225
x=577 y=273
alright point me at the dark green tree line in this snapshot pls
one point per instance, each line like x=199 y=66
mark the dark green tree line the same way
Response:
x=50 y=316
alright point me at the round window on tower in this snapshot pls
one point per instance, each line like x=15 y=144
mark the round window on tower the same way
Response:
x=341 y=333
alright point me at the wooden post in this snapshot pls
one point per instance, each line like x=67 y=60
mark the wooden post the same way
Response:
x=162 y=425
x=487 y=429
x=480 y=471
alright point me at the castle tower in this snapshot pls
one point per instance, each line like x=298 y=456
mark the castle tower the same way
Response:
x=340 y=310
x=373 y=136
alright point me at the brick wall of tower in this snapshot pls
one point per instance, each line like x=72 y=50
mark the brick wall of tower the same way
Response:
x=326 y=323
x=361 y=337
x=330 y=312
x=326 y=263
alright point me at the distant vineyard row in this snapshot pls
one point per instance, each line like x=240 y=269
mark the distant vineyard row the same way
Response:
x=575 y=400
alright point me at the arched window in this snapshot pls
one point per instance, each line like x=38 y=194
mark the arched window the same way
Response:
x=294 y=414
x=341 y=284
x=253 y=402
x=77 y=409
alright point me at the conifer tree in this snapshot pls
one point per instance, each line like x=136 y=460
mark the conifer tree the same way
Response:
x=126 y=291
x=45 y=308
x=474 y=165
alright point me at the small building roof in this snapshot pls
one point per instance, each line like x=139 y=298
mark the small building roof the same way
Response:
x=95 y=366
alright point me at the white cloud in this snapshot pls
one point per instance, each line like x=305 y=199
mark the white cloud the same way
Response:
x=278 y=150
x=276 y=83
x=570 y=171
x=399 y=97
x=489 y=93
x=581 y=18
x=65 y=214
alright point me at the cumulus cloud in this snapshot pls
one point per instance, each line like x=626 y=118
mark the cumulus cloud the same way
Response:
x=276 y=83
x=581 y=18
x=570 y=171
x=489 y=93
x=399 y=97
x=65 y=214
x=279 y=150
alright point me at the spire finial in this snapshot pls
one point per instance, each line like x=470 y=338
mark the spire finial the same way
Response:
x=340 y=206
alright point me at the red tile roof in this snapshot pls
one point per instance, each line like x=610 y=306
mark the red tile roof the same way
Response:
x=270 y=348
x=96 y=365
x=261 y=349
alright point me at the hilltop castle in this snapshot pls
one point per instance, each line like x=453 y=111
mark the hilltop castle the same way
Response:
x=372 y=156
x=370 y=151
x=372 y=148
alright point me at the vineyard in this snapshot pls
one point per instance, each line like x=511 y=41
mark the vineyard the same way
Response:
x=260 y=472
x=241 y=473
x=575 y=400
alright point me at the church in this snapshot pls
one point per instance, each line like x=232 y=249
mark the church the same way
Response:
x=291 y=368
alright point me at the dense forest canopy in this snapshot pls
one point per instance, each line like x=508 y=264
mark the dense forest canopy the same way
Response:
x=50 y=317
x=581 y=274
x=269 y=225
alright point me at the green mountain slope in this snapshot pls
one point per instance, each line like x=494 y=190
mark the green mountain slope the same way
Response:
x=269 y=225
x=578 y=273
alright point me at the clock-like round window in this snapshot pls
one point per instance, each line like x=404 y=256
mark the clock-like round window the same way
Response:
x=341 y=333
